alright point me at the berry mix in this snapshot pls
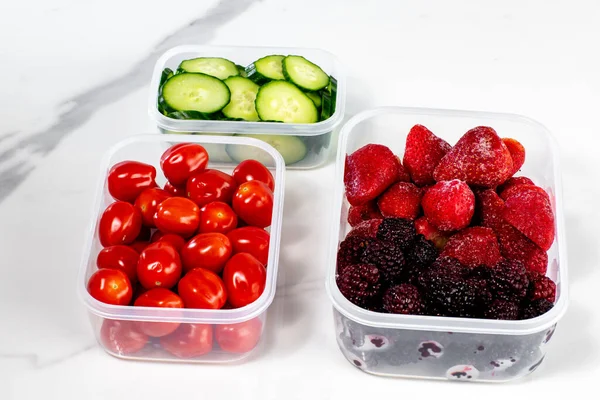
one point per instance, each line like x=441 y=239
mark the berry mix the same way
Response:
x=447 y=230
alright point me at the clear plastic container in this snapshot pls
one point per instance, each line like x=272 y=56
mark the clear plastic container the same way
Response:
x=316 y=137
x=441 y=347
x=114 y=326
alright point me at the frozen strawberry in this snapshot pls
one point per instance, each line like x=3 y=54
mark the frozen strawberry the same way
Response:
x=365 y=212
x=505 y=194
x=517 y=153
x=366 y=228
x=528 y=209
x=473 y=247
x=369 y=171
x=431 y=233
x=403 y=175
x=449 y=205
x=479 y=158
x=401 y=200
x=489 y=209
x=423 y=152
x=514 y=181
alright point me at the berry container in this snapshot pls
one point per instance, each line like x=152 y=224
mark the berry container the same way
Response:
x=465 y=349
x=315 y=137
x=114 y=326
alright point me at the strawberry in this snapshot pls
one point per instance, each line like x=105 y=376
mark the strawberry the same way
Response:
x=403 y=175
x=401 y=200
x=367 y=228
x=517 y=153
x=423 y=152
x=506 y=193
x=514 y=181
x=367 y=211
x=431 y=233
x=449 y=205
x=473 y=247
x=368 y=172
x=479 y=158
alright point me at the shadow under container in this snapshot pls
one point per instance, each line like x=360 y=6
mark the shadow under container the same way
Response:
x=115 y=327
x=314 y=139
x=464 y=349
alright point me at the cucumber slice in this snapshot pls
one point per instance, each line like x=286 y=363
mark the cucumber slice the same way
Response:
x=328 y=96
x=190 y=115
x=315 y=98
x=266 y=69
x=195 y=92
x=165 y=75
x=242 y=70
x=243 y=93
x=291 y=148
x=220 y=68
x=282 y=101
x=304 y=74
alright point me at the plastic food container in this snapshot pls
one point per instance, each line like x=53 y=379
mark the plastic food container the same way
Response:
x=112 y=325
x=315 y=137
x=441 y=347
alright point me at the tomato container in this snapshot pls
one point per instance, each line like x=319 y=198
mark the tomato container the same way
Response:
x=466 y=349
x=304 y=146
x=115 y=326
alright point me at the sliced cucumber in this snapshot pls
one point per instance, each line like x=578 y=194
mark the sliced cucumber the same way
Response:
x=220 y=68
x=190 y=115
x=243 y=93
x=166 y=74
x=266 y=69
x=282 y=101
x=316 y=98
x=242 y=70
x=304 y=74
x=195 y=92
x=291 y=148
x=329 y=96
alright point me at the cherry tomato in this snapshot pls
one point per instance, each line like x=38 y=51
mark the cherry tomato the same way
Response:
x=147 y=203
x=127 y=179
x=139 y=245
x=253 y=202
x=180 y=161
x=120 y=224
x=177 y=215
x=145 y=233
x=177 y=241
x=253 y=240
x=175 y=191
x=201 y=288
x=210 y=185
x=244 y=277
x=206 y=250
x=120 y=257
x=252 y=170
x=159 y=266
x=122 y=337
x=110 y=286
x=239 y=338
x=189 y=340
x=217 y=217
x=158 y=297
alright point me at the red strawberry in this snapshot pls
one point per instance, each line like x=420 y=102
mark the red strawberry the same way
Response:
x=517 y=153
x=514 y=181
x=473 y=247
x=423 y=152
x=367 y=211
x=369 y=171
x=365 y=229
x=449 y=205
x=479 y=158
x=401 y=200
x=431 y=233
x=529 y=210
x=403 y=175
x=506 y=193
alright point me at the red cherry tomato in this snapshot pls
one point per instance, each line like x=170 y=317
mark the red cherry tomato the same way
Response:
x=253 y=240
x=177 y=215
x=110 y=286
x=206 y=250
x=217 y=217
x=159 y=266
x=120 y=257
x=180 y=161
x=210 y=185
x=175 y=191
x=252 y=170
x=253 y=202
x=127 y=179
x=120 y=224
x=147 y=203
x=177 y=241
x=189 y=340
x=201 y=288
x=158 y=297
x=122 y=337
x=139 y=245
x=244 y=277
x=239 y=338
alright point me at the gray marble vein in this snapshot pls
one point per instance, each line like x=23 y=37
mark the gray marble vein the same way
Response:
x=34 y=359
x=83 y=106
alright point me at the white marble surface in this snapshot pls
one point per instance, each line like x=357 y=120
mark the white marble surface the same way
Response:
x=75 y=76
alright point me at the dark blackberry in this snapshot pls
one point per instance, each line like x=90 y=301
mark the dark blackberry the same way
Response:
x=502 y=309
x=481 y=272
x=508 y=281
x=540 y=287
x=397 y=230
x=536 y=308
x=388 y=257
x=360 y=284
x=453 y=296
x=422 y=253
x=350 y=251
x=403 y=299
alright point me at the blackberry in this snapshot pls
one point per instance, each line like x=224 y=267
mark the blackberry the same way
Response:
x=350 y=251
x=508 y=280
x=481 y=272
x=397 y=230
x=536 y=308
x=360 y=284
x=388 y=257
x=422 y=253
x=453 y=296
x=541 y=287
x=502 y=309
x=403 y=299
